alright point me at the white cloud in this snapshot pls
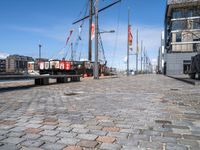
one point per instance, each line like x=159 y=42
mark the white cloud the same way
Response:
x=3 y=55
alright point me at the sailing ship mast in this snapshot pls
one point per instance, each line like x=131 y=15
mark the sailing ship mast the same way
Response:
x=91 y=14
x=128 y=43
x=90 y=33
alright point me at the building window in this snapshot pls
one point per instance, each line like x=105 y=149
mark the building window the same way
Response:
x=179 y=25
x=178 y=37
x=186 y=12
x=196 y=23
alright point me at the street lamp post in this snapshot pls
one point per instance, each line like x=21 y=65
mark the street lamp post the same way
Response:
x=40 y=46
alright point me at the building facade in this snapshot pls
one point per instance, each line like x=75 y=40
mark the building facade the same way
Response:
x=2 y=65
x=161 y=52
x=17 y=63
x=182 y=35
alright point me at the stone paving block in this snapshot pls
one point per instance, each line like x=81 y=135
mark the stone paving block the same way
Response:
x=151 y=133
x=66 y=134
x=164 y=139
x=3 y=132
x=53 y=146
x=48 y=127
x=118 y=134
x=91 y=123
x=171 y=134
x=106 y=124
x=16 y=134
x=33 y=130
x=123 y=126
x=68 y=141
x=192 y=143
x=32 y=143
x=131 y=148
x=98 y=132
x=87 y=136
x=127 y=142
x=80 y=130
x=2 y=137
x=33 y=125
x=9 y=147
x=66 y=129
x=102 y=117
x=138 y=137
x=13 y=140
x=108 y=146
x=31 y=136
x=5 y=127
x=78 y=126
x=106 y=139
x=191 y=137
x=94 y=127
x=126 y=131
x=181 y=131
x=7 y=122
x=87 y=144
x=111 y=129
x=171 y=146
x=50 y=139
x=30 y=148
x=32 y=121
x=151 y=145
x=18 y=129
x=72 y=148
x=49 y=132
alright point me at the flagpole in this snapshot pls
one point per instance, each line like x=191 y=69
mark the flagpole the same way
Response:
x=137 y=49
x=141 y=54
x=90 y=26
x=128 y=43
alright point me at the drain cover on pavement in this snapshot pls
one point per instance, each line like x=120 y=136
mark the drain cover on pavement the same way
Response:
x=71 y=94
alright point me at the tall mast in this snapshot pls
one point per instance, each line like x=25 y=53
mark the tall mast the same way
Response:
x=90 y=26
x=144 y=58
x=128 y=43
x=141 y=54
x=137 y=50
x=96 y=65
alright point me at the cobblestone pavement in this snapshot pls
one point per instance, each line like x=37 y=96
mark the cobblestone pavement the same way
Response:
x=137 y=113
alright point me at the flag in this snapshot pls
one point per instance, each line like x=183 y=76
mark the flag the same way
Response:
x=92 y=31
x=130 y=37
x=70 y=34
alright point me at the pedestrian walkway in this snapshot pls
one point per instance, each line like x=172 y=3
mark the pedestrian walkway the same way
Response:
x=141 y=112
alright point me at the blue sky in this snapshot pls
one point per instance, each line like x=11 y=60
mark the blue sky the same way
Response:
x=23 y=23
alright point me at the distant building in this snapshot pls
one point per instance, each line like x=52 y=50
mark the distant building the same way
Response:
x=17 y=63
x=182 y=35
x=161 y=52
x=41 y=59
x=2 y=65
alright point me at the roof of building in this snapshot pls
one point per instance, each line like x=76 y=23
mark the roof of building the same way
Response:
x=169 y=2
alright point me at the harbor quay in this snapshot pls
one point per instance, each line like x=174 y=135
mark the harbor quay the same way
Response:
x=143 y=112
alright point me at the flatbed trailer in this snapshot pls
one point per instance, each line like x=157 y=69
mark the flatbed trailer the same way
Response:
x=43 y=79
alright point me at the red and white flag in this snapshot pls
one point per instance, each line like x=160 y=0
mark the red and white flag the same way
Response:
x=92 y=31
x=130 y=37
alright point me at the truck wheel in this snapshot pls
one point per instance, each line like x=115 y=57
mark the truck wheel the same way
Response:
x=199 y=76
x=192 y=75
